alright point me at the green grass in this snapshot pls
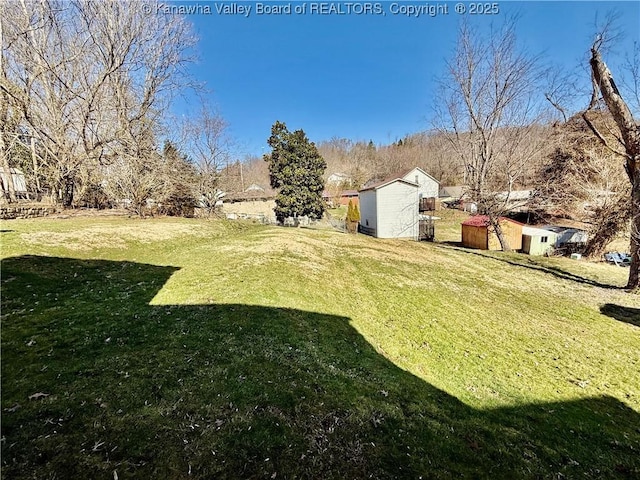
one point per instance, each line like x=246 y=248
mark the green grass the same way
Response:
x=340 y=212
x=175 y=348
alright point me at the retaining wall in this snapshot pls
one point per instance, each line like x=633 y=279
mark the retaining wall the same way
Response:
x=8 y=212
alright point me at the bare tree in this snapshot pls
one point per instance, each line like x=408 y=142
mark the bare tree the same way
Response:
x=562 y=89
x=627 y=143
x=206 y=139
x=134 y=184
x=581 y=180
x=336 y=152
x=91 y=79
x=6 y=127
x=434 y=157
x=256 y=170
x=490 y=113
x=359 y=160
x=9 y=121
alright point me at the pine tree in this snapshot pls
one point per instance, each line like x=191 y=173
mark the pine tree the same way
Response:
x=296 y=170
x=350 y=211
x=353 y=216
x=353 y=213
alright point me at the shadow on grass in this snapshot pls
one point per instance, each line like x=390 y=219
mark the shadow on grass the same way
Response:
x=450 y=243
x=95 y=380
x=624 y=314
x=531 y=264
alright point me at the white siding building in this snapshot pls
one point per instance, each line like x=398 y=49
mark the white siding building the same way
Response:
x=427 y=185
x=390 y=209
x=537 y=241
x=19 y=184
x=338 y=178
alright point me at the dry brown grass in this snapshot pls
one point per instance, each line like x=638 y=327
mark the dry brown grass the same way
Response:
x=109 y=236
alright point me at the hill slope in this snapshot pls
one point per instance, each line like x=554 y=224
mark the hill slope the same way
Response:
x=182 y=348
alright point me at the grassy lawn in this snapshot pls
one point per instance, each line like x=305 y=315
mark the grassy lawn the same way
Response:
x=177 y=348
x=340 y=212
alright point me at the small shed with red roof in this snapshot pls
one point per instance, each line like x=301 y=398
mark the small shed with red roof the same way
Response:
x=477 y=232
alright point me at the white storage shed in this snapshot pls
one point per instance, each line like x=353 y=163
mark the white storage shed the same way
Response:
x=390 y=209
x=538 y=241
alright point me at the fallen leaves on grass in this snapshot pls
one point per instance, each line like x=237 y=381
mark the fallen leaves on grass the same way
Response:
x=38 y=396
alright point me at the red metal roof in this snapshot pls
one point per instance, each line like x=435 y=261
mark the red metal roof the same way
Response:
x=483 y=221
x=477 y=221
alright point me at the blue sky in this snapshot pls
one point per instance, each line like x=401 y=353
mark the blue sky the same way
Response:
x=363 y=77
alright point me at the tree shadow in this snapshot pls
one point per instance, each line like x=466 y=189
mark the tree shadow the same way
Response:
x=624 y=314
x=450 y=243
x=531 y=264
x=97 y=380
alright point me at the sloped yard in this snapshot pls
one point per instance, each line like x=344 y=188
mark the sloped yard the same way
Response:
x=191 y=349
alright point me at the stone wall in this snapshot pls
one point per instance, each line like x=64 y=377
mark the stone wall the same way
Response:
x=8 y=212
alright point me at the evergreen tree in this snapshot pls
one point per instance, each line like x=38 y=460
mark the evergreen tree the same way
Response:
x=353 y=213
x=178 y=178
x=353 y=217
x=296 y=170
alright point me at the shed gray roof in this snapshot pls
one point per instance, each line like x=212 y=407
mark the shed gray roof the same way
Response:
x=384 y=183
x=376 y=181
x=536 y=232
x=568 y=234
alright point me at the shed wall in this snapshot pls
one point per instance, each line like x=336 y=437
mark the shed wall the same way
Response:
x=397 y=211
x=485 y=238
x=533 y=244
x=474 y=237
x=526 y=245
x=368 y=211
x=513 y=234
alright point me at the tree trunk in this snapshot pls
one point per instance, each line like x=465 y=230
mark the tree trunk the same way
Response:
x=4 y=148
x=630 y=132
x=66 y=191
x=11 y=191
x=34 y=158
x=634 y=271
x=497 y=228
